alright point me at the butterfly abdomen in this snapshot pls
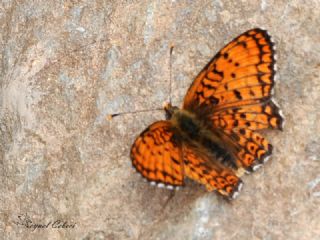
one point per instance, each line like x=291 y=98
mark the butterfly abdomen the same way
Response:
x=193 y=130
x=221 y=154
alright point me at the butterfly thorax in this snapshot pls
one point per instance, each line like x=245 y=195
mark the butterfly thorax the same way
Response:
x=193 y=130
x=186 y=122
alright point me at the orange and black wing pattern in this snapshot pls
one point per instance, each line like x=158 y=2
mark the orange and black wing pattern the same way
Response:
x=156 y=155
x=249 y=148
x=200 y=167
x=254 y=117
x=241 y=74
x=233 y=92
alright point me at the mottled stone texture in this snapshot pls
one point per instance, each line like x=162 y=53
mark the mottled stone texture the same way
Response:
x=66 y=64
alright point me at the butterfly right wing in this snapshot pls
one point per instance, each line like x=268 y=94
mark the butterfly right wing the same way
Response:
x=156 y=155
x=200 y=167
x=253 y=117
x=235 y=88
x=249 y=148
x=233 y=92
x=240 y=74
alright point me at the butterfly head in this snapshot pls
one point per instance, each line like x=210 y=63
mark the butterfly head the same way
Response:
x=170 y=110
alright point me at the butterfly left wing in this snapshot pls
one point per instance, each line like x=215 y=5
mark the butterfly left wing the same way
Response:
x=199 y=166
x=156 y=155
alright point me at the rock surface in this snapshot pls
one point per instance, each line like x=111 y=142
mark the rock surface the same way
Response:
x=65 y=65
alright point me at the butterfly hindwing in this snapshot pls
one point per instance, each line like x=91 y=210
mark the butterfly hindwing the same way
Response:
x=201 y=167
x=250 y=149
x=156 y=154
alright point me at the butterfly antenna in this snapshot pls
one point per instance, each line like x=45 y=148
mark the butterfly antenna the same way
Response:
x=170 y=72
x=111 y=116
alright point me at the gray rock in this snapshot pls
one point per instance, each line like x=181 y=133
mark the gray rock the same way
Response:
x=65 y=66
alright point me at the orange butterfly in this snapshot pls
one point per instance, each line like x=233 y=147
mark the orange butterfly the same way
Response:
x=213 y=138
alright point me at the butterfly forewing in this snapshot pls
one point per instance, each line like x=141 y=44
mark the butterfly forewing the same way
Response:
x=253 y=117
x=156 y=154
x=240 y=74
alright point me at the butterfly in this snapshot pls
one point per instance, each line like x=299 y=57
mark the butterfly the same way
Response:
x=213 y=139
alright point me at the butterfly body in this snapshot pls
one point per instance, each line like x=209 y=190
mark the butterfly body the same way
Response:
x=189 y=128
x=215 y=133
